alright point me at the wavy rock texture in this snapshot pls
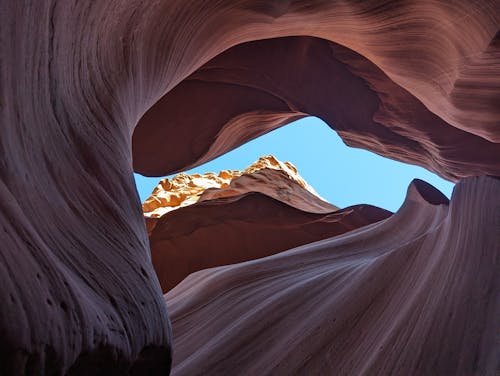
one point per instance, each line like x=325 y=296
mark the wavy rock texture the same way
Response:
x=396 y=78
x=415 y=294
x=416 y=81
x=261 y=212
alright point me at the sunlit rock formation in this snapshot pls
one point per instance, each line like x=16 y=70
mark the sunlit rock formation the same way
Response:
x=264 y=209
x=415 y=294
x=183 y=189
x=91 y=90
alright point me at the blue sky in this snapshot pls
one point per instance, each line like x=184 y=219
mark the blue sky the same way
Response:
x=342 y=175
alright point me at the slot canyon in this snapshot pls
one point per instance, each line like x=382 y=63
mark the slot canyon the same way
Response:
x=245 y=272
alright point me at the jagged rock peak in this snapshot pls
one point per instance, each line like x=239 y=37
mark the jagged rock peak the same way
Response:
x=186 y=189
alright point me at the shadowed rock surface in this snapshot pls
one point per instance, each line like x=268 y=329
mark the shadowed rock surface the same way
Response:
x=416 y=81
x=414 y=294
x=405 y=100
x=266 y=209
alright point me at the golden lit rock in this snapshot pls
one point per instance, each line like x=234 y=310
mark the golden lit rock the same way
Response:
x=183 y=189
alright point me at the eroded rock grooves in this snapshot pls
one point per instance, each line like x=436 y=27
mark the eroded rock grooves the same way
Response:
x=366 y=302
x=416 y=81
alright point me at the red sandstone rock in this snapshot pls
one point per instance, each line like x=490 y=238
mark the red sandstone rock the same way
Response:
x=415 y=294
x=412 y=91
x=79 y=293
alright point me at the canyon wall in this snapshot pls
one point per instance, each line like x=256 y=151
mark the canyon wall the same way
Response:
x=91 y=90
x=415 y=294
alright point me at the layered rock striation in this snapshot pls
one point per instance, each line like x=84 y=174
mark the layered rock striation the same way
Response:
x=390 y=77
x=91 y=90
x=415 y=294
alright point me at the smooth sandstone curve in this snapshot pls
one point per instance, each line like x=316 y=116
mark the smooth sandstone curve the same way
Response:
x=79 y=291
x=396 y=78
x=256 y=87
x=415 y=294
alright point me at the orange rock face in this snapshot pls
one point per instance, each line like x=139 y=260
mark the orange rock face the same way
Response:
x=183 y=190
x=91 y=90
x=264 y=209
